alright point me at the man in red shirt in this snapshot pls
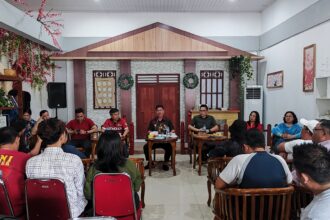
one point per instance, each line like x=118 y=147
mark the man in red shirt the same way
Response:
x=12 y=165
x=117 y=124
x=80 y=129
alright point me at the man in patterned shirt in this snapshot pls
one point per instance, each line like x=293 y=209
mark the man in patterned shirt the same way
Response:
x=54 y=163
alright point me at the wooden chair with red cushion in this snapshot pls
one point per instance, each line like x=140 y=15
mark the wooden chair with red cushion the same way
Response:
x=139 y=165
x=113 y=196
x=214 y=168
x=5 y=205
x=46 y=199
x=263 y=203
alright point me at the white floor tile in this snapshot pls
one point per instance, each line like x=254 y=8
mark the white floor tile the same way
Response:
x=180 y=197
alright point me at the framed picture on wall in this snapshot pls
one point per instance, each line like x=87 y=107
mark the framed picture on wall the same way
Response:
x=104 y=89
x=275 y=80
x=309 y=68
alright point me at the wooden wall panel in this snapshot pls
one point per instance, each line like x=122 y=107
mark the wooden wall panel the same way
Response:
x=156 y=39
x=79 y=77
x=125 y=95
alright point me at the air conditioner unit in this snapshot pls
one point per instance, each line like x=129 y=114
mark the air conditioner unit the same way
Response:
x=253 y=101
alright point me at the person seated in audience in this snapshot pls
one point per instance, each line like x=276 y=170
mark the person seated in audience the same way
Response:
x=204 y=123
x=54 y=163
x=306 y=137
x=256 y=168
x=29 y=123
x=234 y=146
x=321 y=134
x=312 y=163
x=115 y=123
x=254 y=121
x=80 y=129
x=26 y=145
x=12 y=166
x=43 y=115
x=13 y=114
x=111 y=160
x=286 y=131
x=161 y=124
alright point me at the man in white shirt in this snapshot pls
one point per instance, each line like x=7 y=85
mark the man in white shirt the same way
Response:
x=54 y=163
x=321 y=133
x=256 y=168
x=306 y=136
x=312 y=163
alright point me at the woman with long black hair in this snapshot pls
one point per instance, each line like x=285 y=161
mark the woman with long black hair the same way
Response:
x=111 y=160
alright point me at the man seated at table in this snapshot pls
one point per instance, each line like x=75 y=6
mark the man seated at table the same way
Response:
x=160 y=123
x=115 y=123
x=256 y=168
x=204 y=123
x=12 y=166
x=312 y=164
x=80 y=129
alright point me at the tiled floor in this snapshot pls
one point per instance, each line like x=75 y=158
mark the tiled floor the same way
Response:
x=179 y=197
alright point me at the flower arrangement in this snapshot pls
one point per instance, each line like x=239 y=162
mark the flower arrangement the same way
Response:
x=30 y=60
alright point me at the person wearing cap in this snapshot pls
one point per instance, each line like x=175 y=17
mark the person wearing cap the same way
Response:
x=321 y=133
x=306 y=136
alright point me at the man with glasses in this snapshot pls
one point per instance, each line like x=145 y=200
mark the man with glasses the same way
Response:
x=204 y=123
x=80 y=129
x=321 y=133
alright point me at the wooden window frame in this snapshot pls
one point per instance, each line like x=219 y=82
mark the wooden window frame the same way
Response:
x=213 y=75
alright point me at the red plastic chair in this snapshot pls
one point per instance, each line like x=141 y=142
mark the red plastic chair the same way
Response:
x=46 y=199
x=5 y=206
x=114 y=196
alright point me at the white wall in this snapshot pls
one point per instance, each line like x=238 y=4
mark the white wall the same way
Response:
x=282 y=10
x=288 y=56
x=203 y=24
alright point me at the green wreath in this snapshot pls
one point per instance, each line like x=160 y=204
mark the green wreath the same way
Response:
x=125 y=81
x=190 y=80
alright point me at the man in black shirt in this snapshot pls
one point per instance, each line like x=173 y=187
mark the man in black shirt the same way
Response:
x=204 y=123
x=162 y=125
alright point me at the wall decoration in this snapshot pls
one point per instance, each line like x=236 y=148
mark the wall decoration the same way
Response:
x=190 y=81
x=104 y=87
x=309 y=68
x=275 y=80
x=125 y=81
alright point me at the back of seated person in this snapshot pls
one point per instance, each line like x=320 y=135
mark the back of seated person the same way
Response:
x=110 y=159
x=234 y=146
x=12 y=165
x=256 y=168
x=54 y=163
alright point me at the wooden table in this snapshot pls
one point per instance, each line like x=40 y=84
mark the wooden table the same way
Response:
x=169 y=140
x=199 y=140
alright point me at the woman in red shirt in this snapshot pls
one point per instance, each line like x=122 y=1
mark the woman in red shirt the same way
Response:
x=254 y=121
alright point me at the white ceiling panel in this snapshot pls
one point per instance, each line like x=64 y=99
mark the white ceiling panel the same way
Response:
x=151 y=5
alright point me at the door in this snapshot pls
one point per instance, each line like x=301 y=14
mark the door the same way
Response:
x=163 y=89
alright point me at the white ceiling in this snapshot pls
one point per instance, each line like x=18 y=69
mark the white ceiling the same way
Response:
x=152 y=5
